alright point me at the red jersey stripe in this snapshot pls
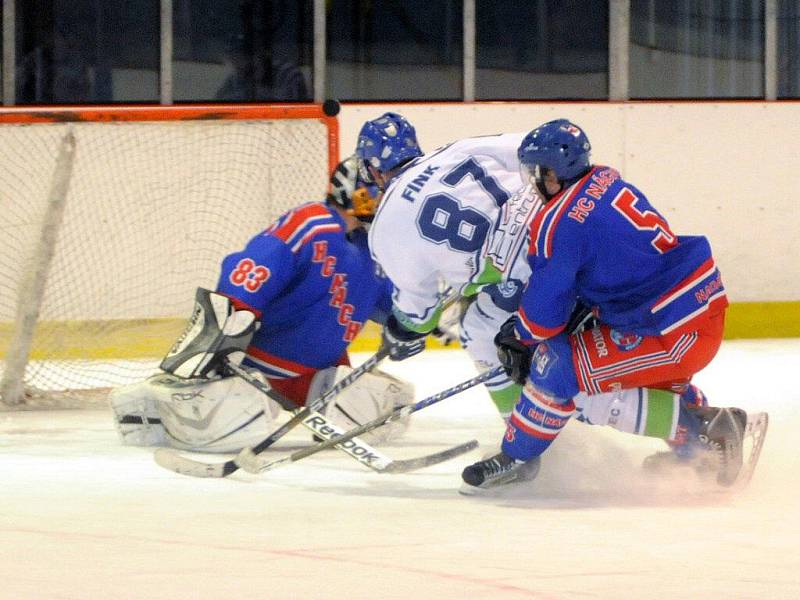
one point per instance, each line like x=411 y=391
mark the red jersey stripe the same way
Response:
x=703 y=271
x=279 y=362
x=298 y=219
x=537 y=331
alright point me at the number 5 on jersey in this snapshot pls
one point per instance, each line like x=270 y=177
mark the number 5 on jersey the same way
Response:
x=646 y=220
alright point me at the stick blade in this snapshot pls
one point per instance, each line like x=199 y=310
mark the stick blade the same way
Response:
x=169 y=459
x=412 y=464
x=249 y=461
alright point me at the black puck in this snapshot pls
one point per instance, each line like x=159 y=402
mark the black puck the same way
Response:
x=330 y=107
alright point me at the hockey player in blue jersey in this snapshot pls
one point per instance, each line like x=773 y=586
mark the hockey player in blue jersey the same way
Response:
x=296 y=296
x=658 y=299
x=312 y=284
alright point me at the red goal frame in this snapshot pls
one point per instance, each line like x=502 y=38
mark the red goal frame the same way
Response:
x=190 y=112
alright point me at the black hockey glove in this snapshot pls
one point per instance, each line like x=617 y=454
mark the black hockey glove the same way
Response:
x=581 y=319
x=515 y=357
x=401 y=343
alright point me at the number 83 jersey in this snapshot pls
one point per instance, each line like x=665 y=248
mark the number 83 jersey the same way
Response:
x=440 y=219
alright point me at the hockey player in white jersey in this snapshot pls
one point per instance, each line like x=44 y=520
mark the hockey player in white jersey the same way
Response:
x=449 y=220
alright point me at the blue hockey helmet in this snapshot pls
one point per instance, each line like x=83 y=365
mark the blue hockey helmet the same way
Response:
x=386 y=143
x=560 y=146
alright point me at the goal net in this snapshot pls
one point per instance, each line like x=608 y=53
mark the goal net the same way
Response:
x=111 y=218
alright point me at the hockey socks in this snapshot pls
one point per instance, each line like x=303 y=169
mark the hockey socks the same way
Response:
x=504 y=396
x=537 y=420
x=643 y=411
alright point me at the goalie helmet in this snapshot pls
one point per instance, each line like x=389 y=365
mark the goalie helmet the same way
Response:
x=386 y=143
x=350 y=193
x=560 y=146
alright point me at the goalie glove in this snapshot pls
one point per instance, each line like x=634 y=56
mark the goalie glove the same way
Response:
x=400 y=342
x=514 y=356
x=216 y=332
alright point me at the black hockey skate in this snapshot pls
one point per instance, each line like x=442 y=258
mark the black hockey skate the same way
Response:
x=706 y=455
x=722 y=431
x=495 y=471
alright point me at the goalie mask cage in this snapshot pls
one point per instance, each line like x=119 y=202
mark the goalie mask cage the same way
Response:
x=112 y=217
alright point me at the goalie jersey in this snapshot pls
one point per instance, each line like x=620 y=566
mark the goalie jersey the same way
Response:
x=600 y=242
x=435 y=220
x=312 y=285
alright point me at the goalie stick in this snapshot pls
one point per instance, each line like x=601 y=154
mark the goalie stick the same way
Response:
x=252 y=463
x=170 y=459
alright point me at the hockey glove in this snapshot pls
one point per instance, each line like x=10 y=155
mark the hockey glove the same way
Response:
x=401 y=343
x=581 y=319
x=515 y=357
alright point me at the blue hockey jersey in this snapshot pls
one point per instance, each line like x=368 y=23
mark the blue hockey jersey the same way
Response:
x=313 y=287
x=600 y=242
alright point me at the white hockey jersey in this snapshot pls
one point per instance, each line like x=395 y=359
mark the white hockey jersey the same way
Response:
x=455 y=217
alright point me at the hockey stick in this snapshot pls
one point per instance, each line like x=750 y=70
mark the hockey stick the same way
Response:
x=355 y=448
x=248 y=460
x=316 y=422
x=170 y=459
x=324 y=428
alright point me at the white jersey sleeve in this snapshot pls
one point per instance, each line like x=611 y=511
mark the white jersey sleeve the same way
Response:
x=435 y=219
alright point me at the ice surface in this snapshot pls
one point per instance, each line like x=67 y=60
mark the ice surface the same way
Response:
x=83 y=517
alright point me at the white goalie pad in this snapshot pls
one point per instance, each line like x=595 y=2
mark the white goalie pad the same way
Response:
x=373 y=394
x=218 y=415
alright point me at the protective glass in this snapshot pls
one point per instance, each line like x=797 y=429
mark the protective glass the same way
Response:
x=533 y=175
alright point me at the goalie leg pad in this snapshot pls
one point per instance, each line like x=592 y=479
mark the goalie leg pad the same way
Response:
x=136 y=416
x=217 y=415
x=372 y=395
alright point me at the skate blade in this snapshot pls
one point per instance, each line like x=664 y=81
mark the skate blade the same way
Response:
x=753 y=442
x=498 y=489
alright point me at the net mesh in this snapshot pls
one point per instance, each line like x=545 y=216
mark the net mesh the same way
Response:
x=151 y=210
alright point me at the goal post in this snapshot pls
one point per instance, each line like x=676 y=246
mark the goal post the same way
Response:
x=112 y=216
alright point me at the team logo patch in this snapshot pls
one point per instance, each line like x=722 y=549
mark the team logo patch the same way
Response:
x=543 y=359
x=508 y=289
x=625 y=341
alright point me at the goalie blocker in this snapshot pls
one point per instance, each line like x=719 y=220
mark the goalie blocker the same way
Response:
x=196 y=405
